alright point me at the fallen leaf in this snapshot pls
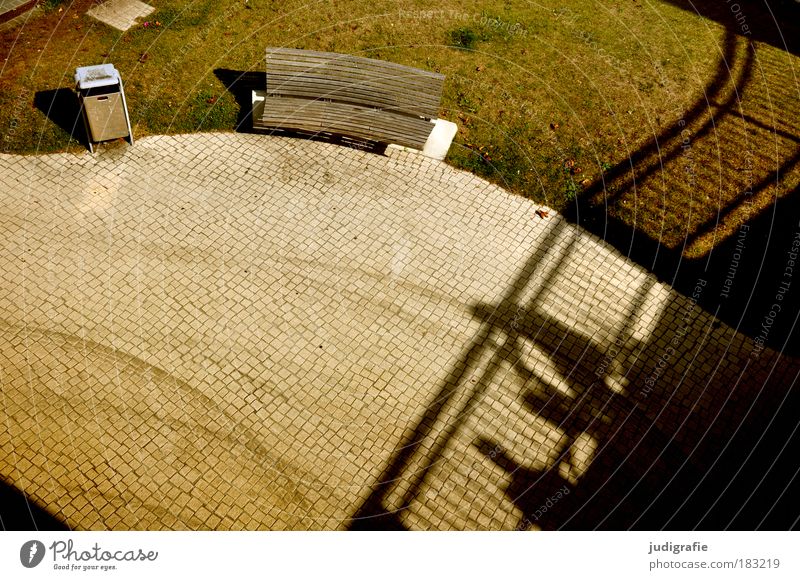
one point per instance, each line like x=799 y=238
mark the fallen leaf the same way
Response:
x=553 y=126
x=541 y=213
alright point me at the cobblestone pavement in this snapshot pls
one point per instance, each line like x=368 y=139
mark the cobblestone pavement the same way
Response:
x=244 y=332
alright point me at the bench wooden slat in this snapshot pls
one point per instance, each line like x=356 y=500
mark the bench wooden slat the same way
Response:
x=345 y=69
x=407 y=101
x=351 y=71
x=382 y=83
x=280 y=83
x=298 y=55
x=320 y=91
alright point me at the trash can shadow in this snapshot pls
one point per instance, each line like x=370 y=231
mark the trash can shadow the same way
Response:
x=61 y=106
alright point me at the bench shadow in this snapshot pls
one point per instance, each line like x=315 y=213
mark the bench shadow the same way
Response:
x=241 y=84
x=20 y=513
x=62 y=107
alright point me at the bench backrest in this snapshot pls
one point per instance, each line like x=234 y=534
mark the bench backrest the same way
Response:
x=330 y=76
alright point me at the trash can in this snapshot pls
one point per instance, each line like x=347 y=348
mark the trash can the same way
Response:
x=103 y=106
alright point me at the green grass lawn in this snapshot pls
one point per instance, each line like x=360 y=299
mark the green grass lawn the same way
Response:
x=552 y=98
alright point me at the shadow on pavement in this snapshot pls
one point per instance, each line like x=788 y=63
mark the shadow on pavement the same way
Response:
x=685 y=427
x=19 y=513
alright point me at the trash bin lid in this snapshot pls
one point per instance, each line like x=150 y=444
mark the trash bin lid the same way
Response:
x=99 y=75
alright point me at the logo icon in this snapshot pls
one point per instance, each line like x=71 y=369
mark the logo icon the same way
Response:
x=31 y=553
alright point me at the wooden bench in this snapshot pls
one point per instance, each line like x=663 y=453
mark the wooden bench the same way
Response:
x=362 y=98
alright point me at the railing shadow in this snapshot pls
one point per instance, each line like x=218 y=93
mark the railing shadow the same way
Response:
x=19 y=513
x=698 y=431
x=773 y=22
x=684 y=444
x=752 y=229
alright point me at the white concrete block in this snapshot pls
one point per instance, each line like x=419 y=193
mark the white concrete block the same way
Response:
x=258 y=104
x=438 y=143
